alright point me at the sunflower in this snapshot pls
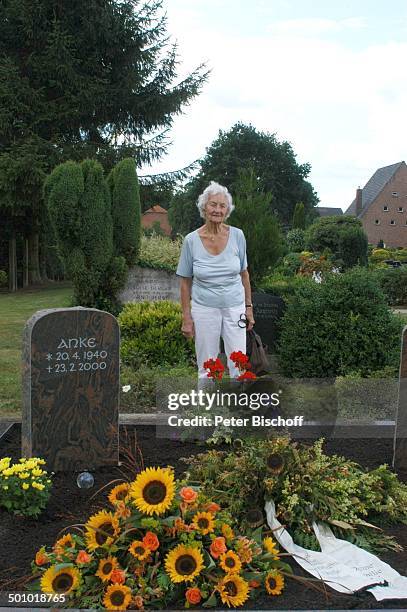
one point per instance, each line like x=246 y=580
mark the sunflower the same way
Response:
x=274 y=583
x=233 y=590
x=106 y=567
x=230 y=562
x=101 y=530
x=119 y=493
x=275 y=463
x=153 y=490
x=61 y=581
x=139 y=550
x=203 y=522
x=270 y=547
x=254 y=518
x=117 y=597
x=63 y=543
x=183 y=563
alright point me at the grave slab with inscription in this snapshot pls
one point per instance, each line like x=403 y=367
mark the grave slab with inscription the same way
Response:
x=71 y=388
x=268 y=310
x=400 y=434
x=146 y=284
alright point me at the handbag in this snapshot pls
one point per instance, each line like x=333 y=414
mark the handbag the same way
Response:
x=257 y=353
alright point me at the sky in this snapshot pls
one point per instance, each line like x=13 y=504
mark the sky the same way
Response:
x=327 y=76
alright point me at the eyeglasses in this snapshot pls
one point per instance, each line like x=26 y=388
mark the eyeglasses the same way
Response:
x=243 y=322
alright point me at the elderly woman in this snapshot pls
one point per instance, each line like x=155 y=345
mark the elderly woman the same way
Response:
x=213 y=271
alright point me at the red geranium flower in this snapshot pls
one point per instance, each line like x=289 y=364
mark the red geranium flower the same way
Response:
x=215 y=367
x=247 y=376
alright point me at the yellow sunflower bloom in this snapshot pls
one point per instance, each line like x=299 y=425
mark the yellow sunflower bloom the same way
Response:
x=153 y=490
x=230 y=562
x=233 y=590
x=183 y=563
x=270 y=546
x=274 y=583
x=203 y=522
x=63 y=543
x=61 y=581
x=101 y=530
x=117 y=597
x=106 y=567
x=119 y=493
x=139 y=550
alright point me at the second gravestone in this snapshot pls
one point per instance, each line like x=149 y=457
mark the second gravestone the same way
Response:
x=268 y=310
x=71 y=388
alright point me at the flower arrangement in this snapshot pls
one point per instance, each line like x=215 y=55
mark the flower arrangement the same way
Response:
x=161 y=542
x=306 y=485
x=24 y=486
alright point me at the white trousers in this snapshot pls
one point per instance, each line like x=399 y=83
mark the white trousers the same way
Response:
x=210 y=325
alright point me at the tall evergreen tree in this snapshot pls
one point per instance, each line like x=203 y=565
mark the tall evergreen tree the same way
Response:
x=299 y=217
x=81 y=79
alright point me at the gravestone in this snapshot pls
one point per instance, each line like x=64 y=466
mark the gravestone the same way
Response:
x=146 y=284
x=268 y=310
x=400 y=433
x=71 y=388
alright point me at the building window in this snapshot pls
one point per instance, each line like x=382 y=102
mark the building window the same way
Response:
x=395 y=194
x=400 y=209
x=392 y=222
x=377 y=221
x=386 y=208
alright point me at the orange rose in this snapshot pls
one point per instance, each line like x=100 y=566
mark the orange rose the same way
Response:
x=118 y=576
x=41 y=558
x=254 y=584
x=218 y=547
x=212 y=507
x=83 y=557
x=151 y=541
x=193 y=595
x=188 y=495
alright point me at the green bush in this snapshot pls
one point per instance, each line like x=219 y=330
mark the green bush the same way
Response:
x=143 y=382
x=151 y=334
x=283 y=286
x=296 y=240
x=337 y=327
x=290 y=264
x=393 y=282
x=3 y=279
x=379 y=255
x=342 y=235
x=159 y=252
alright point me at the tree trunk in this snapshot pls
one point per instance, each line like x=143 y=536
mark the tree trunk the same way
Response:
x=12 y=263
x=25 y=264
x=34 y=275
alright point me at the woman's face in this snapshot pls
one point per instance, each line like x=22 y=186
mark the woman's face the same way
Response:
x=216 y=208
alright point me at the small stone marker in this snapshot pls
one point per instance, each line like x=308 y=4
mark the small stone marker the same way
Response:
x=268 y=310
x=146 y=284
x=71 y=388
x=400 y=433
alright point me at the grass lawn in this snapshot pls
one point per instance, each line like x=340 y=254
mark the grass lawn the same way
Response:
x=15 y=310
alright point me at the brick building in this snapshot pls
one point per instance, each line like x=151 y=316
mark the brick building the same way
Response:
x=156 y=214
x=382 y=206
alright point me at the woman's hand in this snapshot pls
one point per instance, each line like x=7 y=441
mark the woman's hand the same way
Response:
x=187 y=327
x=250 y=318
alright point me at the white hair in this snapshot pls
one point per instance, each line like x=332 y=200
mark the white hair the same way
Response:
x=214 y=189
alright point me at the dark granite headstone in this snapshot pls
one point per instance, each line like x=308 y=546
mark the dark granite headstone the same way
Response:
x=71 y=388
x=400 y=433
x=268 y=310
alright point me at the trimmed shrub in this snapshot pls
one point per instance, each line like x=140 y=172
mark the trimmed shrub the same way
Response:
x=340 y=326
x=379 y=255
x=393 y=282
x=159 y=252
x=296 y=240
x=126 y=211
x=342 y=235
x=151 y=334
x=283 y=286
x=299 y=216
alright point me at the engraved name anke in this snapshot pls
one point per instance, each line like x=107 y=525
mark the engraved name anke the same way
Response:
x=71 y=388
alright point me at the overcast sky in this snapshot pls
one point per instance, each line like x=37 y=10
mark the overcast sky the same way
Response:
x=328 y=76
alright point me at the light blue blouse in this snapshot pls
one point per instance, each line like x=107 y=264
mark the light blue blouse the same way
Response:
x=216 y=278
